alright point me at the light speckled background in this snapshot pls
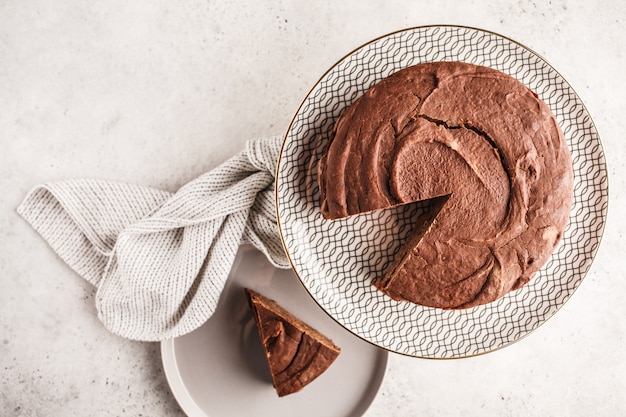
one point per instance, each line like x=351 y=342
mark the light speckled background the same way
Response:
x=158 y=92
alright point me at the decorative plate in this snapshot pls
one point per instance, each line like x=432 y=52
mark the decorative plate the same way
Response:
x=337 y=260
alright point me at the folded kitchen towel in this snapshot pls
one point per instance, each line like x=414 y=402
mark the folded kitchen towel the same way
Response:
x=160 y=260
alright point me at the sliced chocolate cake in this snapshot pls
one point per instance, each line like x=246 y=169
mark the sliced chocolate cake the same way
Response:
x=482 y=143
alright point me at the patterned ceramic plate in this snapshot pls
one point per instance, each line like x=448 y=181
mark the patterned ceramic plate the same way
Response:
x=337 y=260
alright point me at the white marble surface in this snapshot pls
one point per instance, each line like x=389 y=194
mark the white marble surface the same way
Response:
x=157 y=92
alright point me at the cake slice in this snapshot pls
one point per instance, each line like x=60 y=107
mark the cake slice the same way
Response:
x=296 y=352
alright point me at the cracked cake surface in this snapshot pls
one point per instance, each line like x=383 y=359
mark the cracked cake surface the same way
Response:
x=482 y=143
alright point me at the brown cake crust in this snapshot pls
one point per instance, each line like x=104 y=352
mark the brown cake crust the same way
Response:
x=483 y=142
x=296 y=352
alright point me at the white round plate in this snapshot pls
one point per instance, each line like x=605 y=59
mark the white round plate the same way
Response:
x=220 y=369
x=337 y=260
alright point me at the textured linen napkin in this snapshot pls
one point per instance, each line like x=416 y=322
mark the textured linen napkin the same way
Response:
x=160 y=260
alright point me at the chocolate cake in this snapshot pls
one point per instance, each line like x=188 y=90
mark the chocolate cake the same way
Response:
x=480 y=143
x=296 y=352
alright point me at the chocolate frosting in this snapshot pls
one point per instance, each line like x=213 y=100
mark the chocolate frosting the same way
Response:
x=478 y=140
x=296 y=353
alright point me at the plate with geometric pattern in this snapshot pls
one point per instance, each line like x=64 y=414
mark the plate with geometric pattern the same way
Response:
x=338 y=260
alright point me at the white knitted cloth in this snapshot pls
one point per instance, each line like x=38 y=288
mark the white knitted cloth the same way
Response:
x=160 y=260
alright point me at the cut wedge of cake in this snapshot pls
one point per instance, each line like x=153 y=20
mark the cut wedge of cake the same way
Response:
x=296 y=353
